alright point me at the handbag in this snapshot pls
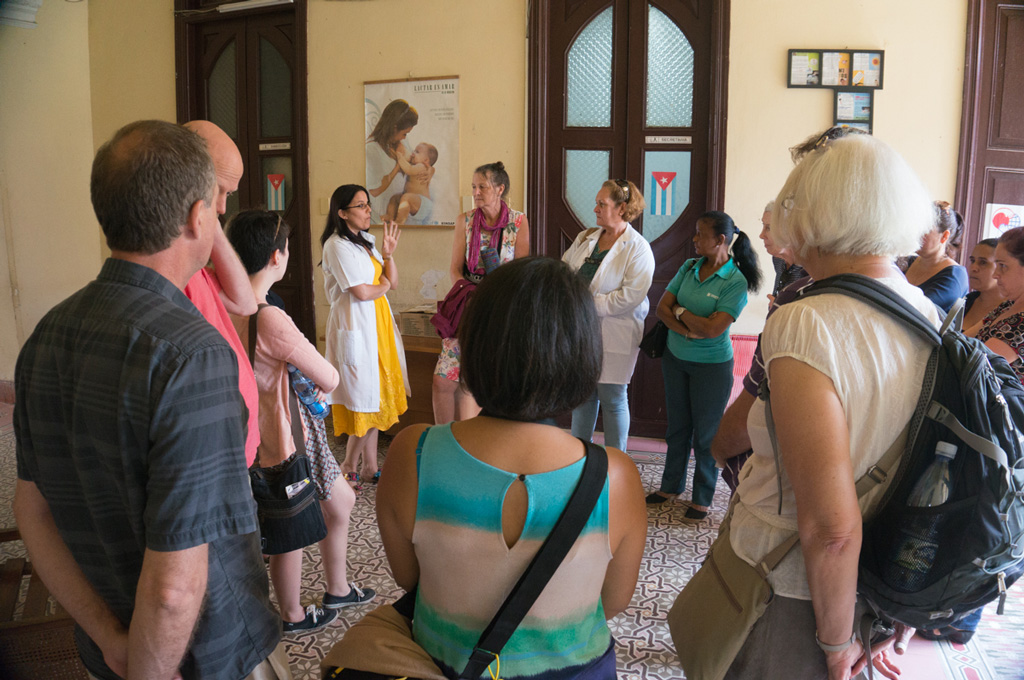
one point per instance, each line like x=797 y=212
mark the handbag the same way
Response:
x=287 y=506
x=736 y=592
x=654 y=341
x=381 y=645
x=739 y=593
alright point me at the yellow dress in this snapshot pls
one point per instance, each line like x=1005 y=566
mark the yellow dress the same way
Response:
x=392 y=386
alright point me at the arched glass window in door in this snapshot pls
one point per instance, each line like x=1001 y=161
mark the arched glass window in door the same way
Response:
x=588 y=104
x=275 y=92
x=669 y=72
x=590 y=74
x=222 y=93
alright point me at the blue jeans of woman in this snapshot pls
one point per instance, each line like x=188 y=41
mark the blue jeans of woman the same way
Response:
x=696 y=395
x=614 y=409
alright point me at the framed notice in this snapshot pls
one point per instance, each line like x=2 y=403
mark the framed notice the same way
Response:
x=835 y=69
x=412 y=150
x=831 y=68
x=854 y=108
x=867 y=69
x=805 y=68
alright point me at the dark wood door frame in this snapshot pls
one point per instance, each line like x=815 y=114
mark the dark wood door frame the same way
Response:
x=979 y=95
x=189 y=90
x=541 y=110
x=546 y=112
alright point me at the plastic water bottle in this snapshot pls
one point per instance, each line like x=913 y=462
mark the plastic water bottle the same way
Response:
x=917 y=540
x=305 y=390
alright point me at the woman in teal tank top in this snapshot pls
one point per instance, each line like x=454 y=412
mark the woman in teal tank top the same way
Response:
x=464 y=507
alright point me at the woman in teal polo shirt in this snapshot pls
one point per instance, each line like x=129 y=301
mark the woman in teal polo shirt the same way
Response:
x=703 y=299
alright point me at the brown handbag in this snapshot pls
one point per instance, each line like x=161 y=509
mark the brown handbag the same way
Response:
x=736 y=592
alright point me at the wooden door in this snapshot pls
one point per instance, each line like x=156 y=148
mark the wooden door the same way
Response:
x=617 y=90
x=246 y=73
x=991 y=165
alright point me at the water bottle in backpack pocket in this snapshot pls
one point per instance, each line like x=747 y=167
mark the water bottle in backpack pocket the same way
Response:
x=917 y=538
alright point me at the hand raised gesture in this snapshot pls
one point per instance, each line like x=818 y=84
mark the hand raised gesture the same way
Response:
x=390 y=240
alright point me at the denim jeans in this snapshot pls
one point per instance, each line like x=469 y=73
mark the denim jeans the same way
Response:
x=615 y=409
x=696 y=395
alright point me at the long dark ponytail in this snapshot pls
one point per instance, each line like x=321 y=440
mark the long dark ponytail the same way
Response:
x=340 y=199
x=742 y=252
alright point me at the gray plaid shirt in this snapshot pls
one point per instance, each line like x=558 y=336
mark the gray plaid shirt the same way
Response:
x=129 y=421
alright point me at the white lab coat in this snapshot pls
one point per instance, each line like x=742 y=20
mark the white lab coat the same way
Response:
x=620 y=294
x=352 y=326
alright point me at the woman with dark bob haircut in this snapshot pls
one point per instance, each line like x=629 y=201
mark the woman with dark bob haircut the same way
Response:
x=463 y=507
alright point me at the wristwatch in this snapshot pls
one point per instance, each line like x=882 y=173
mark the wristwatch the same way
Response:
x=835 y=648
x=679 y=312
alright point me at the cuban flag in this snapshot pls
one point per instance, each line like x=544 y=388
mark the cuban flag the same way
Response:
x=662 y=188
x=275 y=192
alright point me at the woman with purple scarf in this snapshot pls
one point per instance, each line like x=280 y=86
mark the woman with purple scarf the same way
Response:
x=489 y=235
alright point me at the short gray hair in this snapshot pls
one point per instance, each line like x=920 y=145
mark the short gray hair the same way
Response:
x=852 y=196
x=145 y=181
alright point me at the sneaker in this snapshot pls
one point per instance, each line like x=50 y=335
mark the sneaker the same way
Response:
x=316 y=618
x=353 y=480
x=355 y=596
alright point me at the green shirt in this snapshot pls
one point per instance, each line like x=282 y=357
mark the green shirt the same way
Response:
x=590 y=265
x=723 y=291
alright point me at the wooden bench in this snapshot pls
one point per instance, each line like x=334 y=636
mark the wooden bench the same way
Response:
x=40 y=642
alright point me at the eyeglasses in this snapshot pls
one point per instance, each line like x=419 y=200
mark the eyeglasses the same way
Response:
x=624 y=185
x=358 y=206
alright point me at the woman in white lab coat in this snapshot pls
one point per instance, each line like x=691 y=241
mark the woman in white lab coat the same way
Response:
x=362 y=341
x=617 y=263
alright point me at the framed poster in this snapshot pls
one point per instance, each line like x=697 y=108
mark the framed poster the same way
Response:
x=854 y=108
x=805 y=68
x=412 y=150
x=867 y=69
x=832 y=67
x=835 y=69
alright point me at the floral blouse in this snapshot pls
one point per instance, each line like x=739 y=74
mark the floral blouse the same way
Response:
x=1010 y=330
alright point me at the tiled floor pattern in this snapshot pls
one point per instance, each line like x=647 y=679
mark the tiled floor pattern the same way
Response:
x=674 y=552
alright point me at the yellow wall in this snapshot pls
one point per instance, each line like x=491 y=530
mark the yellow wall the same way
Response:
x=50 y=246
x=484 y=43
x=917 y=112
x=91 y=67
x=131 y=63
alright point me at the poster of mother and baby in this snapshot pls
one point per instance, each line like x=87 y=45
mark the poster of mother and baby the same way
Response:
x=412 y=150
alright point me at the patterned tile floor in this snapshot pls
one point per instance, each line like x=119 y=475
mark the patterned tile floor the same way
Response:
x=674 y=552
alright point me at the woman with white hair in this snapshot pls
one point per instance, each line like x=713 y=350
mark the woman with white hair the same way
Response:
x=844 y=379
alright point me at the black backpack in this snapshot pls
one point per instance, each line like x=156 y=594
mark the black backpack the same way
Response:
x=970 y=397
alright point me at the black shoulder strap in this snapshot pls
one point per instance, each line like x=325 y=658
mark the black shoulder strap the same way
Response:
x=552 y=552
x=252 y=333
x=879 y=295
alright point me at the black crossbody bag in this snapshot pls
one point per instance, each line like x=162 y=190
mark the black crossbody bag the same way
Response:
x=286 y=503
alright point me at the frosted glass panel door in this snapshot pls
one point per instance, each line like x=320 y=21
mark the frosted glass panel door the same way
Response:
x=222 y=92
x=629 y=89
x=585 y=171
x=590 y=75
x=275 y=92
x=669 y=72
